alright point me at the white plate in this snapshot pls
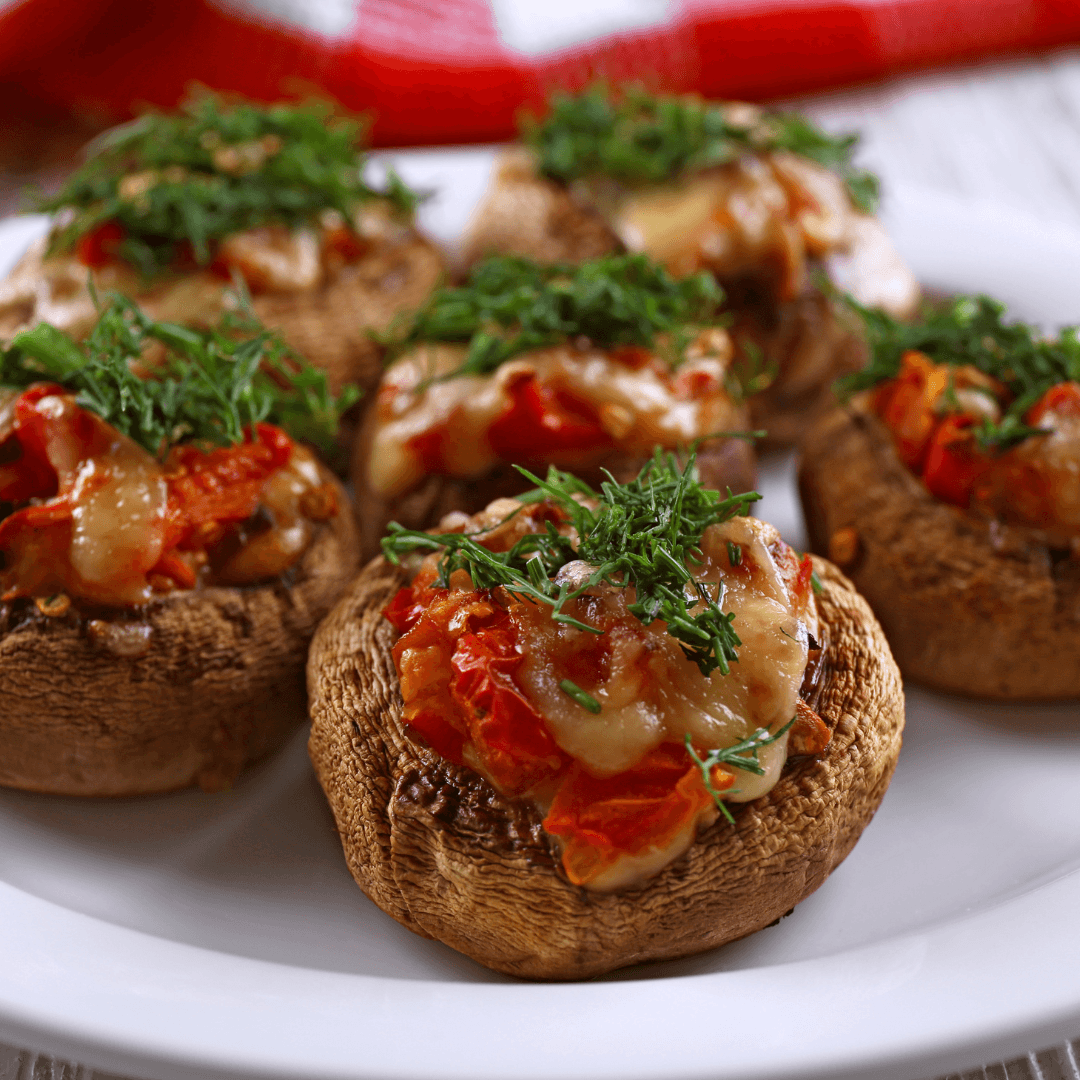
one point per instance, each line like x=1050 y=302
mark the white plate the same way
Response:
x=221 y=935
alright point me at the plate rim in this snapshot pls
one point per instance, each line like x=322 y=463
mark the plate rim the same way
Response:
x=130 y=1002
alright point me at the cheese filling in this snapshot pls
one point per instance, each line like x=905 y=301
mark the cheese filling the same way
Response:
x=428 y=420
x=483 y=680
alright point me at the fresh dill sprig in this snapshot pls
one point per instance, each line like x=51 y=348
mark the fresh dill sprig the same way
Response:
x=743 y=755
x=511 y=305
x=211 y=169
x=972 y=330
x=639 y=138
x=210 y=386
x=582 y=697
x=639 y=534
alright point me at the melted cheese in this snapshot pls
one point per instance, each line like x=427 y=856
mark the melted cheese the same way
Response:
x=768 y=213
x=638 y=408
x=649 y=692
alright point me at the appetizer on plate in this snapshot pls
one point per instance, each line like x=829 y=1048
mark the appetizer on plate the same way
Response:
x=170 y=209
x=166 y=552
x=587 y=367
x=586 y=729
x=762 y=200
x=949 y=489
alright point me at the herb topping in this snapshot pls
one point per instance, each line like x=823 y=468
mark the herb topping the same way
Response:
x=209 y=388
x=637 y=137
x=211 y=170
x=971 y=330
x=743 y=755
x=640 y=534
x=511 y=305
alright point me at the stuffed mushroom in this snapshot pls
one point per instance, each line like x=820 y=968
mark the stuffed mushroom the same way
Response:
x=949 y=489
x=764 y=201
x=171 y=209
x=587 y=367
x=582 y=730
x=166 y=552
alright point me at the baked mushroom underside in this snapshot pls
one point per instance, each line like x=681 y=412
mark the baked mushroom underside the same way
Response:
x=436 y=847
x=969 y=605
x=185 y=690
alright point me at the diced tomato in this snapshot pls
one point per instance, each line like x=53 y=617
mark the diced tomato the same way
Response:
x=509 y=735
x=1063 y=399
x=905 y=404
x=345 y=243
x=642 y=810
x=100 y=246
x=404 y=610
x=428 y=447
x=954 y=463
x=541 y=420
x=803 y=578
x=222 y=486
x=634 y=357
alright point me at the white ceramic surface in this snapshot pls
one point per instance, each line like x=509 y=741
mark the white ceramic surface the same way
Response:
x=221 y=935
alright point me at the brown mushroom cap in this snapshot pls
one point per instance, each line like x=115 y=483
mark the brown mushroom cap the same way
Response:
x=186 y=690
x=806 y=338
x=968 y=605
x=436 y=847
x=329 y=325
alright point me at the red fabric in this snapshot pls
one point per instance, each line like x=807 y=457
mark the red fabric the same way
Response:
x=439 y=72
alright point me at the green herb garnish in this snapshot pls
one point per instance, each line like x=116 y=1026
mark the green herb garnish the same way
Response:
x=208 y=388
x=743 y=755
x=639 y=138
x=582 y=697
x=511 y=305
x=209 y=170
x=972 y=330
x=639 y=534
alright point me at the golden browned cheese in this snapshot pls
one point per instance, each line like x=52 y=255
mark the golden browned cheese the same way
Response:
x=324 y=307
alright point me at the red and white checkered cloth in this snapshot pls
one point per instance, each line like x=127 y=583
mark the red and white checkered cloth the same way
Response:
x=449 y=71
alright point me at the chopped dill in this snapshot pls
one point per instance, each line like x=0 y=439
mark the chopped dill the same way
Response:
x=639 y=138
x=972 y=330
x=582 y=697
x=743 y=755
x=210 y=386
x=734 y=553
x=511 y=305
x=177 y=182
x=639 y=534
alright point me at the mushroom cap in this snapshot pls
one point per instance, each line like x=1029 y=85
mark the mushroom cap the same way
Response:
x=969 y=605
x=185 y=690
x=436 y=847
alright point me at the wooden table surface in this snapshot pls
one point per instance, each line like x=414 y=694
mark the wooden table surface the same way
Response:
x=1007 y=133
